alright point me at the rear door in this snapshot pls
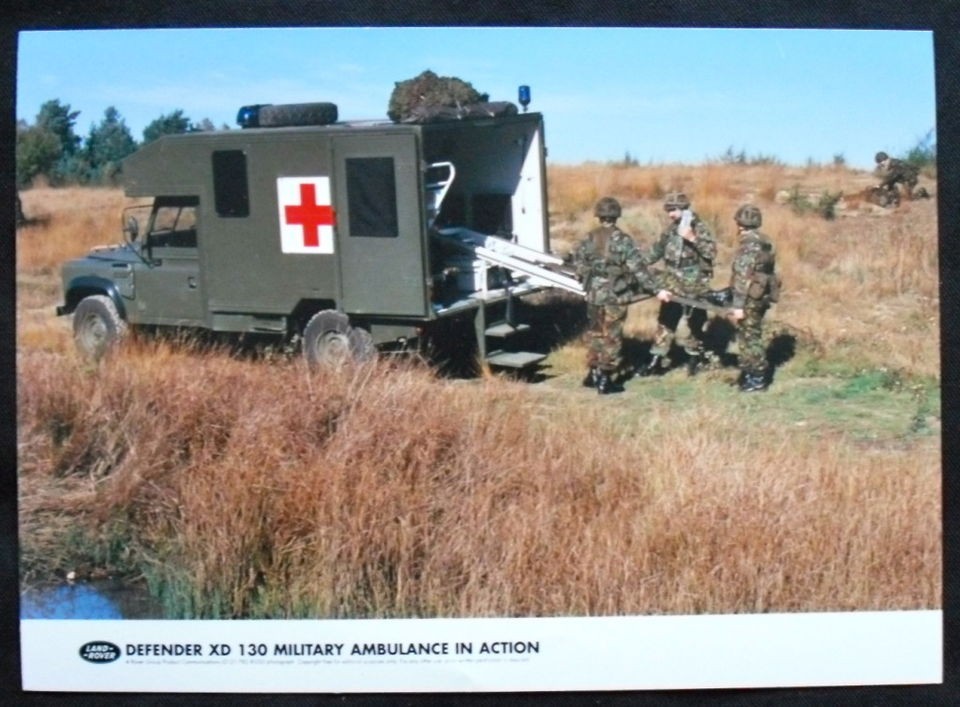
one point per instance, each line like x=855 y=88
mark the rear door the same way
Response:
x=379 y=230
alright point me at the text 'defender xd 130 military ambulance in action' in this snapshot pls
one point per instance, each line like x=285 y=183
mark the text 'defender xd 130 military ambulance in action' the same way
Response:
x=339 y=235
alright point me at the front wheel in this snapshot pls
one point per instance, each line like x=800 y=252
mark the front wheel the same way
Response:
x=328 y=339
x=97 y=326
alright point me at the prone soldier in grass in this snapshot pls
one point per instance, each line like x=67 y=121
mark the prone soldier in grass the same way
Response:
x=754 y=286
x=611 y=268
x=893 y=172
x=687 y=248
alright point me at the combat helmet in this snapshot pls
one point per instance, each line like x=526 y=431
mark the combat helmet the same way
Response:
x=676 y=200
x=748 y=216
x=880 y=157
x=607 y=208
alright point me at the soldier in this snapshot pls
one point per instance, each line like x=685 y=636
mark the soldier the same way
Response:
x=754 y=285
x=687 y=248
x=893 y=171
x=611 y=269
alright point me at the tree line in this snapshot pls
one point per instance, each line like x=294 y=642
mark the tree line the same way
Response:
x=51 y=149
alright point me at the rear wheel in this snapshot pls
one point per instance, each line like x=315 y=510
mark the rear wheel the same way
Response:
x=362 y=347
x=97 y=326
x=328 y=339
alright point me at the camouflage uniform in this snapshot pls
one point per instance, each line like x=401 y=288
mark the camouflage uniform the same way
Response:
x=689 y=269
x=754 y=286
x=893 y=171
x=612 y=270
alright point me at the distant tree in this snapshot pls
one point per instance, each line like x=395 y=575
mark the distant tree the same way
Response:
x=731 y=157
x=742 y=158
x=629 y=160
x=204 y=126
x=59 y=120
x=923 y=155
x=428 y=89
x=174 y=123
x=37 y=152
x=107 y=144
x=55 y=121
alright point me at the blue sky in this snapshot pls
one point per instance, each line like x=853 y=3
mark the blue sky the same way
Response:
x=663 y=95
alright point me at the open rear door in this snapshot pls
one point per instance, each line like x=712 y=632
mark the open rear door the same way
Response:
x=380 y=236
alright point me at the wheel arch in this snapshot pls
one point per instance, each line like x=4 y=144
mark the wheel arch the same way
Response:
x=305 y=310
x=87 y=285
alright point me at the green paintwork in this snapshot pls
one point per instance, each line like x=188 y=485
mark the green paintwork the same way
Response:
x=238 y=279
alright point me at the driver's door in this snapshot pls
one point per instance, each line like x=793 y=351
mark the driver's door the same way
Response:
x=169 y=289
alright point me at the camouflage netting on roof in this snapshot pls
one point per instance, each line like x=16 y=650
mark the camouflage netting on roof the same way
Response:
x=428 y=90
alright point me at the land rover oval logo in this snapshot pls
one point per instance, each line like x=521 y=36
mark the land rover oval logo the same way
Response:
x=99 y=652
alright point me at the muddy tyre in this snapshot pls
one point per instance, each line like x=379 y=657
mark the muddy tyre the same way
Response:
x=97 y=327
x=297 y=114
x=361 y=344
x=329 y=340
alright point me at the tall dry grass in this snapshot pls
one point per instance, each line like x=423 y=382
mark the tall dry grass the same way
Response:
x=382 y=491
x=869 y=274
x=247 y=488
x=67 y=223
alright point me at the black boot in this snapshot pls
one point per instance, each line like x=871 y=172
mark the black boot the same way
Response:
x=606 y=384
x=590 y=381
x=753 y=382
x=655 y=367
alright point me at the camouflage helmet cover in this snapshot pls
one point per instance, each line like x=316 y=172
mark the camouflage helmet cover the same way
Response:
x=880 y=157
x=607 y=207
x=676 y=200
x=748 y=216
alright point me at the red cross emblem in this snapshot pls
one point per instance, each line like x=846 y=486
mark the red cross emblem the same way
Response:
x=309 y=214
x=306 y=215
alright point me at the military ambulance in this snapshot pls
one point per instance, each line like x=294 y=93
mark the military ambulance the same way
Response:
x=337 y=236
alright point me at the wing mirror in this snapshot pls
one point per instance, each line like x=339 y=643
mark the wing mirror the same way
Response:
x=132 y=228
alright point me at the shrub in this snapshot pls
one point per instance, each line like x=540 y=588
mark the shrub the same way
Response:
x=923 y=155
x=824 y=206
x=428 y=89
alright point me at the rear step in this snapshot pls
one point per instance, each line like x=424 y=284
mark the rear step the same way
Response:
x=515 y=359
x=505 y=329
x=505 y=356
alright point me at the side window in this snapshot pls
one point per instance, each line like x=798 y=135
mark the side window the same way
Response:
x=231 y=193
x=174 y=223
x=372 y=197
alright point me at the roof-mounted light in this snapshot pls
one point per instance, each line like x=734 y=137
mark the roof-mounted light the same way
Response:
x=523 y=96
x=249 y=116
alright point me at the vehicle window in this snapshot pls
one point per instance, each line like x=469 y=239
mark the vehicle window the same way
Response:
x=165 y=219
x=231 y=193
x=372 y=197
x=174 y=225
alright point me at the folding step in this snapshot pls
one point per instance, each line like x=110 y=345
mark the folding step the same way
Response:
x=515 y=359
x=505 y=329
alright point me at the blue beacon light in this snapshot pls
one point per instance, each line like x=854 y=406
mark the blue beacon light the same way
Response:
x=523 y=95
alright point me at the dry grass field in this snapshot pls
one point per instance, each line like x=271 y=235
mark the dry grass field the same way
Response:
x=234 y=486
